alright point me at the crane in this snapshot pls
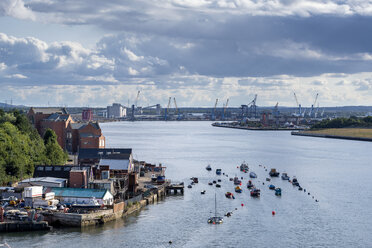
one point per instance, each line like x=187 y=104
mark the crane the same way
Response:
x=177 y=110
x=253 y=107
x=299 y=105
x=214 y=110
x=136 y=102
x=167 y=109
x=224 y=109
x=312 y=106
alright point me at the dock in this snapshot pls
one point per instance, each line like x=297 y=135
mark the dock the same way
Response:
x=24 y=226
x=175 y=188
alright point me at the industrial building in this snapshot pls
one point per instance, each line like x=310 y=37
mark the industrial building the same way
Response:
x=116 y=111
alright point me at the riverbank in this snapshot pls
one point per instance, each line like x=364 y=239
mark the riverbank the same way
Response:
x=360 y=134
x=227 y=125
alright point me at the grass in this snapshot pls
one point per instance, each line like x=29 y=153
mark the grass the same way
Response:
x=349 y=132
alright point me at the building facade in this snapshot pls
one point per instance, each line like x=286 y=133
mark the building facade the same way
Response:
x=116 y=111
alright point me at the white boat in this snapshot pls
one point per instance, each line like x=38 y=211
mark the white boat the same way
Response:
x=215 y=219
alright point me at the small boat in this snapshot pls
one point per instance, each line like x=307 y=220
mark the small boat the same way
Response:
x=202 y=192
x=278 y=191
x=218 y=171
x=219 y=180
x=255 y=192
x=231 y=179
x=214 y=181
x=160 y=179
x=228 y=214
x=285 y=176
x=295 y=181
x=252 y=175
x=195 y=180
x=189 y=186
x=250 y=184
x=208 y=168
x=273 y=173
x=299 y=187
x=92 y=203
x=238 y=189
x=153 y=177
x=268 y=179
x=237 y=181
x=271 y=186
x=244 y=167
x=215 y=219
x=218 y=186
x=210 y=183
x=229 y=195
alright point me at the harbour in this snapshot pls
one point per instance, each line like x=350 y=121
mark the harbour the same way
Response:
x=187 y=148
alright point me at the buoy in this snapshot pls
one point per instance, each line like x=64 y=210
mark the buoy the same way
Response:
x=273 y=212
x=242 y=178
x=236 y=208
x=308 y=193
x=170 y=242
x=242 y=204
x=214 y=223
x=240 y=184
x=237 y=166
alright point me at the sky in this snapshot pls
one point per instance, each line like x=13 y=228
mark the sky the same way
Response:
x=93 y=52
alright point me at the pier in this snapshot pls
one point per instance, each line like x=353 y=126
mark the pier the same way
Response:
x=175 y=188
x=22 y=226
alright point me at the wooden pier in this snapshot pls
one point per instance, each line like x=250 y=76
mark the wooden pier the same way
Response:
x=175 y=188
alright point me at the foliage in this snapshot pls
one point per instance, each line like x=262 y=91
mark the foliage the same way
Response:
x=53 y=151
x=21 y=148
x=353 y=121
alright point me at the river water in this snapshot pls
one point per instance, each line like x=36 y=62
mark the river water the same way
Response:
x=336 y=172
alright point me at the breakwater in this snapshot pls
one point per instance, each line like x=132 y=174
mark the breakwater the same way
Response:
x=330 y=136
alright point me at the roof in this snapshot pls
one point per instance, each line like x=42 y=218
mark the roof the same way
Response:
x=88 y=135
x=59 y=171
x=96 y=153
x=77 y=192
x=82 y=125
x=58 y=117
x=44 y=179
x=50 y=110
x=115 y=164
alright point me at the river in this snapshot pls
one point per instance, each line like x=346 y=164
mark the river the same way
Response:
x=336 y=172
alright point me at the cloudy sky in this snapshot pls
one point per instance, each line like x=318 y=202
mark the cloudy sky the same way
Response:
x=94 y=52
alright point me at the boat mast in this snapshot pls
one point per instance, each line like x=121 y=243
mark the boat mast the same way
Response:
x=215 y=204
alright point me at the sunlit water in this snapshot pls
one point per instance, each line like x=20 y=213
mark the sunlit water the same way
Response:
x=336 y=172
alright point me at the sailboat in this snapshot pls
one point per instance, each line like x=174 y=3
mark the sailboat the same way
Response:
x=215 y=219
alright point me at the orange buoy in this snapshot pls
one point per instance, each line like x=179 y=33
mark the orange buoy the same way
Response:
x=273 y=212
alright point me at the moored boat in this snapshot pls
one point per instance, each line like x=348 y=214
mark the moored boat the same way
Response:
x=238 y=189
x=237 y=181
x=250 y=184
x=278 y=191
x=271 y=186
x=229 y=195
x=273 y=173
x=208 y=168
x=285 y=176
x=252 y=175
x=255 y=192
x=215 y=219
x=218 y=171
x=244 y=167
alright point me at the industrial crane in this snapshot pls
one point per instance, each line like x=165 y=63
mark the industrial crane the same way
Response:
x=167 y=109
x=177 y=110
x=253 y=107
x=136 y=102
x=224 y=109
x=299 y=105
x=312 y=106
x=214 y=110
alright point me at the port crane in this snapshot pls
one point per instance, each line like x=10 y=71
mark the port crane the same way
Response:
x=167 y=109
x=253 y=107
x=214 y=111
x=224 y=109
x=312 y=106
x=177 y=110
x=299 y=105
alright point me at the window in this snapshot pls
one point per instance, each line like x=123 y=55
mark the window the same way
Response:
x=67 y=168
x=57 y=168
x=40 y=168
x=48 y=168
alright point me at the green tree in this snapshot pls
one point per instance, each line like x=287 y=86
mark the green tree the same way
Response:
x=54 y=152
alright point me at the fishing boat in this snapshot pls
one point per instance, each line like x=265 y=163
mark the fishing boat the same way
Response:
x=252 y=175
x=215 y=219
x=237 y=181
x=92 y=203
x=278 y=191
x=285 y=176
x=272 y=187
x=208 y=168
x=218 y=171
x=273 y=173
x=255 y=192
x=238 y=189
x=229 y=195
x=250 y=184
x=244 y=167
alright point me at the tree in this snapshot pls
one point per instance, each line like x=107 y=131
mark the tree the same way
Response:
x=54 y=152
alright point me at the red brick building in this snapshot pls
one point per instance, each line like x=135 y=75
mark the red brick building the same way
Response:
x=84 y=135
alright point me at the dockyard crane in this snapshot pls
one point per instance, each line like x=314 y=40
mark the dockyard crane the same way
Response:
x=298 y=105
x=167 y=109
x=177 y=110
x=253 y=107
x=224 y=109
x=312 y=106
x=214 y=111
x=136 y=102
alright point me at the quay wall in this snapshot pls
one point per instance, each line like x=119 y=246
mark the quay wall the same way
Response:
x=24 y=226
x=330 y=136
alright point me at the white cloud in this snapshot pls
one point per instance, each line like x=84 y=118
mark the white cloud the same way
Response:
x=15 y=8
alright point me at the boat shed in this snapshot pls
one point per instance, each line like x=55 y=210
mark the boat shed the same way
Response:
x=44 y=181
x=76 y=195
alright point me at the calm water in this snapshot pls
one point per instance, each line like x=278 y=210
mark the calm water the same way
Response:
x=337 y=172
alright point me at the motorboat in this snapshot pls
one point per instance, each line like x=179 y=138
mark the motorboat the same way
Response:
x=238 y=189
x=250 y=184
x=208 y=168
x=218 y=171
x=219 y=180
x=215 y=219
x=295 y=181
x=252 y=175
x=210 y=183
x=218 y=186
x=244 y=167
x=285 y=176
x=268 y=179
x=230 y=195
x=255 y=192
x=202 y=192
x=237 y=181
x=272 y=187
x=189 y=186
x=273 y=173
x=160 y=179
x=231 y=179
x=153 y=177
x=195 y=180
x=278 y=191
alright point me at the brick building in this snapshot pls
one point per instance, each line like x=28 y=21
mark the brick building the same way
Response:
x=84 y=135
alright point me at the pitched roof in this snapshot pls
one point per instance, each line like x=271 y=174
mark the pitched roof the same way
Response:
x=44 y=179
x=50 y=110
x=96 y=153
x=58 y=117
x=115 y=164
x=82 y=125
x=77 y=192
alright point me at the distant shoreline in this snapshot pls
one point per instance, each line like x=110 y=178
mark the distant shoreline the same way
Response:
x=318 y=135
x=256 y=128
